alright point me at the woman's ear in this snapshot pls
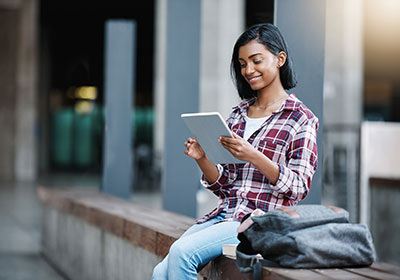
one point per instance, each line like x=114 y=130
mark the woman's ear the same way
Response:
x=281 y=58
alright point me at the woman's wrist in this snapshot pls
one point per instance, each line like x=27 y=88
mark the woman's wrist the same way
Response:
x=256 y=157
x=209 y=169
x=202 y=159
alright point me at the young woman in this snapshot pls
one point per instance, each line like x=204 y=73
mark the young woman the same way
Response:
x=275 y=133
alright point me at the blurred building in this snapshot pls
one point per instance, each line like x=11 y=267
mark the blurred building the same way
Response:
x=52 y=72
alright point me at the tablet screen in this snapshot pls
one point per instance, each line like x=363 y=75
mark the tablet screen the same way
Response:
x=207 y=128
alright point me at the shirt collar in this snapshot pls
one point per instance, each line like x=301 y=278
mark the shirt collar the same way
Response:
x=291 y=104
x=244 y=105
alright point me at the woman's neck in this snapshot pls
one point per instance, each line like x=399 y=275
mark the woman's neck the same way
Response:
x=270 y=96
x=266 y=103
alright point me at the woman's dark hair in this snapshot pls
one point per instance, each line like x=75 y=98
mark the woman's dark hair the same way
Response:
x=270 y=36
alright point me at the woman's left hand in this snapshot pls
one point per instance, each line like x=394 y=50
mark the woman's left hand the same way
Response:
x=239 y=147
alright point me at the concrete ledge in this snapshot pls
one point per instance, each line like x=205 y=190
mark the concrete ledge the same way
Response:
x=91 y=235
x=152 y=229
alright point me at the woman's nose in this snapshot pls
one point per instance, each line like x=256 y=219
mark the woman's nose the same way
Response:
x=249 y=69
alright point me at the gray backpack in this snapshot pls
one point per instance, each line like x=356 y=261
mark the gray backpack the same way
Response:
x=304 y=236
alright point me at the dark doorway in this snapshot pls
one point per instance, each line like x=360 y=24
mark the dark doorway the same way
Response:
x=259 y=11
x=71 y=77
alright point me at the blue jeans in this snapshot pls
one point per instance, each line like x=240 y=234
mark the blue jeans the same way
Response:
x=195 y=248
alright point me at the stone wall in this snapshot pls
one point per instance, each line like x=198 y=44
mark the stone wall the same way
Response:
x=83 y=251
x=385 y=222
x=91 y=235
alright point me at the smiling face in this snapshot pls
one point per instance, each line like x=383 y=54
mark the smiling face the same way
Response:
x=260 y=67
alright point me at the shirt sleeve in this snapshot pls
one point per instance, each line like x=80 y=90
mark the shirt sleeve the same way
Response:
x=227 y=175
x=295 y=178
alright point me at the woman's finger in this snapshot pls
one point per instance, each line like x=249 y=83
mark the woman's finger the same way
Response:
x=228 y=145
x=235 y=135
x=230 y=148
x=227 y=140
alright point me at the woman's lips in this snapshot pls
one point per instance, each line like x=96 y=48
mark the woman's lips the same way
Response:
x=253 y=79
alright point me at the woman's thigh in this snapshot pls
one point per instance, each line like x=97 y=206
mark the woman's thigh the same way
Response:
x=161 y=270
x=201 y=246
x=198 y=227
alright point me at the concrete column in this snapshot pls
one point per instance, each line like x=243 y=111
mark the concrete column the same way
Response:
x=10 y=4
x=303 y=25
x=8 y=71
x=119 y=85
x=160 y=48
x=18 y=76
x=180 y=173
x=343 y=94
x=222 y=22
x=26 y=93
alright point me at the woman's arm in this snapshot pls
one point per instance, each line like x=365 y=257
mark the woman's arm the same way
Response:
x=293 y=179
x=243 y=150
x=296 y=175
x=209 y=169
x=194 y=150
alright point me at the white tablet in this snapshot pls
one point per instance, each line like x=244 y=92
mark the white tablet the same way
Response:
x=207 y=128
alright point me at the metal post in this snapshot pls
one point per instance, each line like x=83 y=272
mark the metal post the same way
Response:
x=303 y=25
x=118 y=96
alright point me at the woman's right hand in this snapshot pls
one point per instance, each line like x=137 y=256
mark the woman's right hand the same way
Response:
x=193 y=149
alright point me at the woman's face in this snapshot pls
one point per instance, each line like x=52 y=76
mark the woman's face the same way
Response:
x=259 y=67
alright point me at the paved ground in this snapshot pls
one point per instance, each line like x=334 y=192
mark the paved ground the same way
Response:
x=20 y=219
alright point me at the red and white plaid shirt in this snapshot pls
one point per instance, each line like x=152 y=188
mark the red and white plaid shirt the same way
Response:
x=287 y=137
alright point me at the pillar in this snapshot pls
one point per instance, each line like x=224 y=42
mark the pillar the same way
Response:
x=303 y=26
x=180 y=174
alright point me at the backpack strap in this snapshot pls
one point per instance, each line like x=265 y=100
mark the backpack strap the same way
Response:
x=252 y=263
x=246 y=262
x=257 y=267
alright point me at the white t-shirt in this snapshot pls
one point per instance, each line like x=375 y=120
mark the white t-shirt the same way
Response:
x=252 y=125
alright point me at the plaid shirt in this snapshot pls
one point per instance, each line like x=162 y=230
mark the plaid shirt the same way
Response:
x=287 y=137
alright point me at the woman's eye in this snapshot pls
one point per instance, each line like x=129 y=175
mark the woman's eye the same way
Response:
x=242 y=65
x=257 y=61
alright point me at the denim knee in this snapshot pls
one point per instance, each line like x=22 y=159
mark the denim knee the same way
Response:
x=177 y=250
x=160 y=272
x=182 y=253
x=181 y=261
